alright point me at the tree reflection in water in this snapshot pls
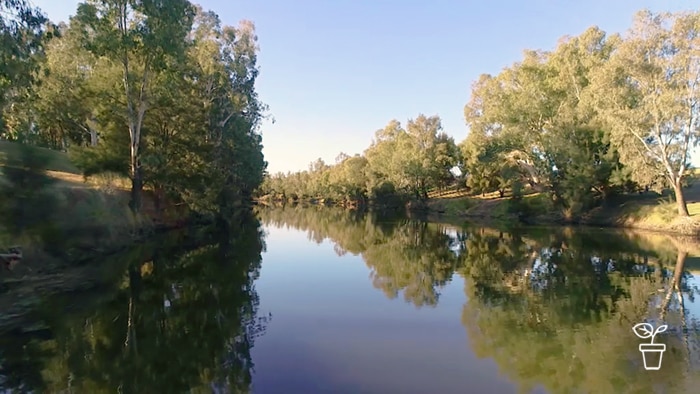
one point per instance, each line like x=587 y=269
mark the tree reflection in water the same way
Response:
x=553 y=307
x=178 y=321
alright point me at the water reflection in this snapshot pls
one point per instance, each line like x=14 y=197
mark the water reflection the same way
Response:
x=407 y=257
x=553 y=307
x=566 y=323
x=180 y=321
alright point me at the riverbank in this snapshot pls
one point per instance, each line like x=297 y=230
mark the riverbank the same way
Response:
x=89 y=220
x=647 y=211
x=98 y=203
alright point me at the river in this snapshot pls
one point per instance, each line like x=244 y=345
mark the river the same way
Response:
x=321 y=300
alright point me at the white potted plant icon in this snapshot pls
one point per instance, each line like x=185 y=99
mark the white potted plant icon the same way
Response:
x=650 y=350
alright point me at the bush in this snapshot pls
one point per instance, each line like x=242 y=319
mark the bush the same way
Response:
x=27 y=205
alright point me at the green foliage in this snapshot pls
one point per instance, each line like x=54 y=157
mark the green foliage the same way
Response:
x=24 y=30
x=75 y=99
x=647 y=94
x=160 y=92
x=538 y=121
x=144 y=38
x=133 y=88
x=215 y=163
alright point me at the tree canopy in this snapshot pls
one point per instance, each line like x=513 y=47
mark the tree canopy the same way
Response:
x=160 y=92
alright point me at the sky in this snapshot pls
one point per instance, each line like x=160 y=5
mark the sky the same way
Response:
x=335 y=71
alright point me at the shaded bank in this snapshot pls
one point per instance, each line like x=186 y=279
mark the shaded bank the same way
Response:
x=68 y=227
x=29 y=283
x=56 y=215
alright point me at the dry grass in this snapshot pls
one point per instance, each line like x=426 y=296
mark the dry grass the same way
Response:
x=65 y=172
x=107 y=180
x=97 y=201
x=648 y=211
x=454 y=192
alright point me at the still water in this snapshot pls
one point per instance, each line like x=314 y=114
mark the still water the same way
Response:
x=305 y=300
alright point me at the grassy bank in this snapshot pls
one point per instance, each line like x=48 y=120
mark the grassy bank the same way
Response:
x=90 y=228
x=646 y=211
x=91 y=216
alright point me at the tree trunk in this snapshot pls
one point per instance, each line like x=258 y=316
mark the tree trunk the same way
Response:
x=676 y=282
x=136 y=185
x=680 y=198
x=93 y=137
x=678 y=270
x=134 y=294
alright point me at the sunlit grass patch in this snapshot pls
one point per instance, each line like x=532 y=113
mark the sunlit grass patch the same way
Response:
x=451 y=192
x=694 y=208
x=661 y=215
x=60 y=167
x=110 y=180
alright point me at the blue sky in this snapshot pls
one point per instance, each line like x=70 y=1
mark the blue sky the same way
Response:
x=335 y=71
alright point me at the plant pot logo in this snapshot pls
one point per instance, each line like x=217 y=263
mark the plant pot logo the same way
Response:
x=652 y=353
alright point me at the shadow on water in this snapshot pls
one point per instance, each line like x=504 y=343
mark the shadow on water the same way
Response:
x=553 y=307
x=180 y=318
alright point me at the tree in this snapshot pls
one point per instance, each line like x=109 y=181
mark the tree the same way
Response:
x=650 y=96
x=66 y=105
x=536 y=114
x=24 y=30
x=434 y=153
x=233 y=114
x=483 y=162
x=140 y=35
x=349 y=178
x=514 y=107
x=384 y=157
x=446 y=156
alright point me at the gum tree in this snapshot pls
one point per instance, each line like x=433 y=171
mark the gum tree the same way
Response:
x=139 y=35
x=650 y=91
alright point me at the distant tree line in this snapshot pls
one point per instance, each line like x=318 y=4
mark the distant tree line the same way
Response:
x=597 y=116
x=400 y=162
